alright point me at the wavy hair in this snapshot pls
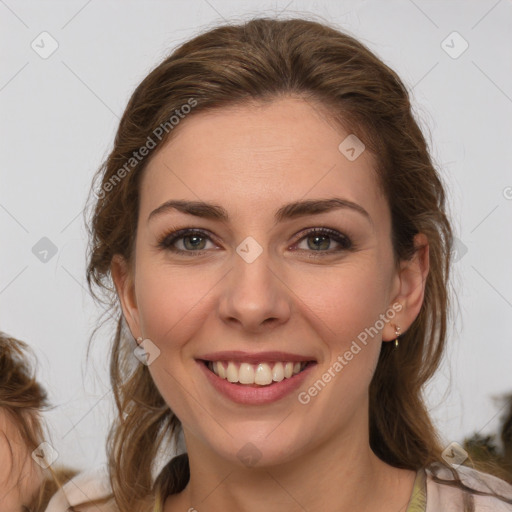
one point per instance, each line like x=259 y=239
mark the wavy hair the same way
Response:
x=262 y=60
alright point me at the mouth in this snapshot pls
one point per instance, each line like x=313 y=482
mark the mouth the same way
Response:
x=255 y=379
x=256 y=374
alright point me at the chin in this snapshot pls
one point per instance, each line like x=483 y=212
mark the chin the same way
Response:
x=259 y=450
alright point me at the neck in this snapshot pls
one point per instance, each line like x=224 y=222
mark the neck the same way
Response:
x=342 y=476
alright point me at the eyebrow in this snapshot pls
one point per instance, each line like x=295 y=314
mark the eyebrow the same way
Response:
x=289 y=211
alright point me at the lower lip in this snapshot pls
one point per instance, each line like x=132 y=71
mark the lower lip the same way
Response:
x=246 y=394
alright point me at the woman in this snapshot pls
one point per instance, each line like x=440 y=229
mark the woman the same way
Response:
x=276 y=234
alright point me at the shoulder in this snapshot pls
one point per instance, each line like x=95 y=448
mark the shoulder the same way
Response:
x=446 y=497
x=84 y=487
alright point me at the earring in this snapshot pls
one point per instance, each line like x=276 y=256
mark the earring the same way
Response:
x=139 y=340
x=397 y=334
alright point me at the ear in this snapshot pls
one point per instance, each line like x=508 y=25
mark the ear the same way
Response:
x=411 y=279
x=123 y=281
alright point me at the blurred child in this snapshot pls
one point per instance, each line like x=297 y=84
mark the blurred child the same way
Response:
x=24 y=484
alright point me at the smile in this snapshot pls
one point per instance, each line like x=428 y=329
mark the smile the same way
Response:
x=261 y=374
x=255 y=379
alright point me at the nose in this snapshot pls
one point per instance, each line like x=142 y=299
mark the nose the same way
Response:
x=254 y=298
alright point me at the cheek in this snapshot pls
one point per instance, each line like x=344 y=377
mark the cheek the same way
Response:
x=169 y=301
x=347 y=299
x=173 y=304
x=344 y=310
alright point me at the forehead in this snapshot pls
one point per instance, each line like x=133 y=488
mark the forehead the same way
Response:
x=259 y=156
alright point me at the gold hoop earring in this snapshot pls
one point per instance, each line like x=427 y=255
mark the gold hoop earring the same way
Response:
x=397 y=334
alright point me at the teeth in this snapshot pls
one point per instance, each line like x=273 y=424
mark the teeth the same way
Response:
x=232 y=372
x=261 y=374
x=219 y=370
x=246 y=374
x=278 y=372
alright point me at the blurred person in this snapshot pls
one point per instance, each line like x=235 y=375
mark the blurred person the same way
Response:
x=24 y=484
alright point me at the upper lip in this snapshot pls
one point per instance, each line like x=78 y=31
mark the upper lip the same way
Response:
x=254 y=357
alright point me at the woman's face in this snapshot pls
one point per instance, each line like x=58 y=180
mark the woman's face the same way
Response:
x=259 y=286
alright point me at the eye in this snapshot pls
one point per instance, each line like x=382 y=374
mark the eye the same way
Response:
x=185 y=241
x=320 y=240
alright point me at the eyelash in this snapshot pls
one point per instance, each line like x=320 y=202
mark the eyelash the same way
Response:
x=168 y=239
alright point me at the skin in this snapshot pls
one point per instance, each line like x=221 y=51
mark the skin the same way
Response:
x=20 y=477
x=252 y=160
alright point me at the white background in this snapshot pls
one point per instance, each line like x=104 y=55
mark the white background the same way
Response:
x=58 y=119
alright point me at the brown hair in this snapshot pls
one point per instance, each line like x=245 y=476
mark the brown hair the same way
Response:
x=23 y=398
x=262 y=60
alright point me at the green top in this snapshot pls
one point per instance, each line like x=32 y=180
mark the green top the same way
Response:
x=418 y=501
